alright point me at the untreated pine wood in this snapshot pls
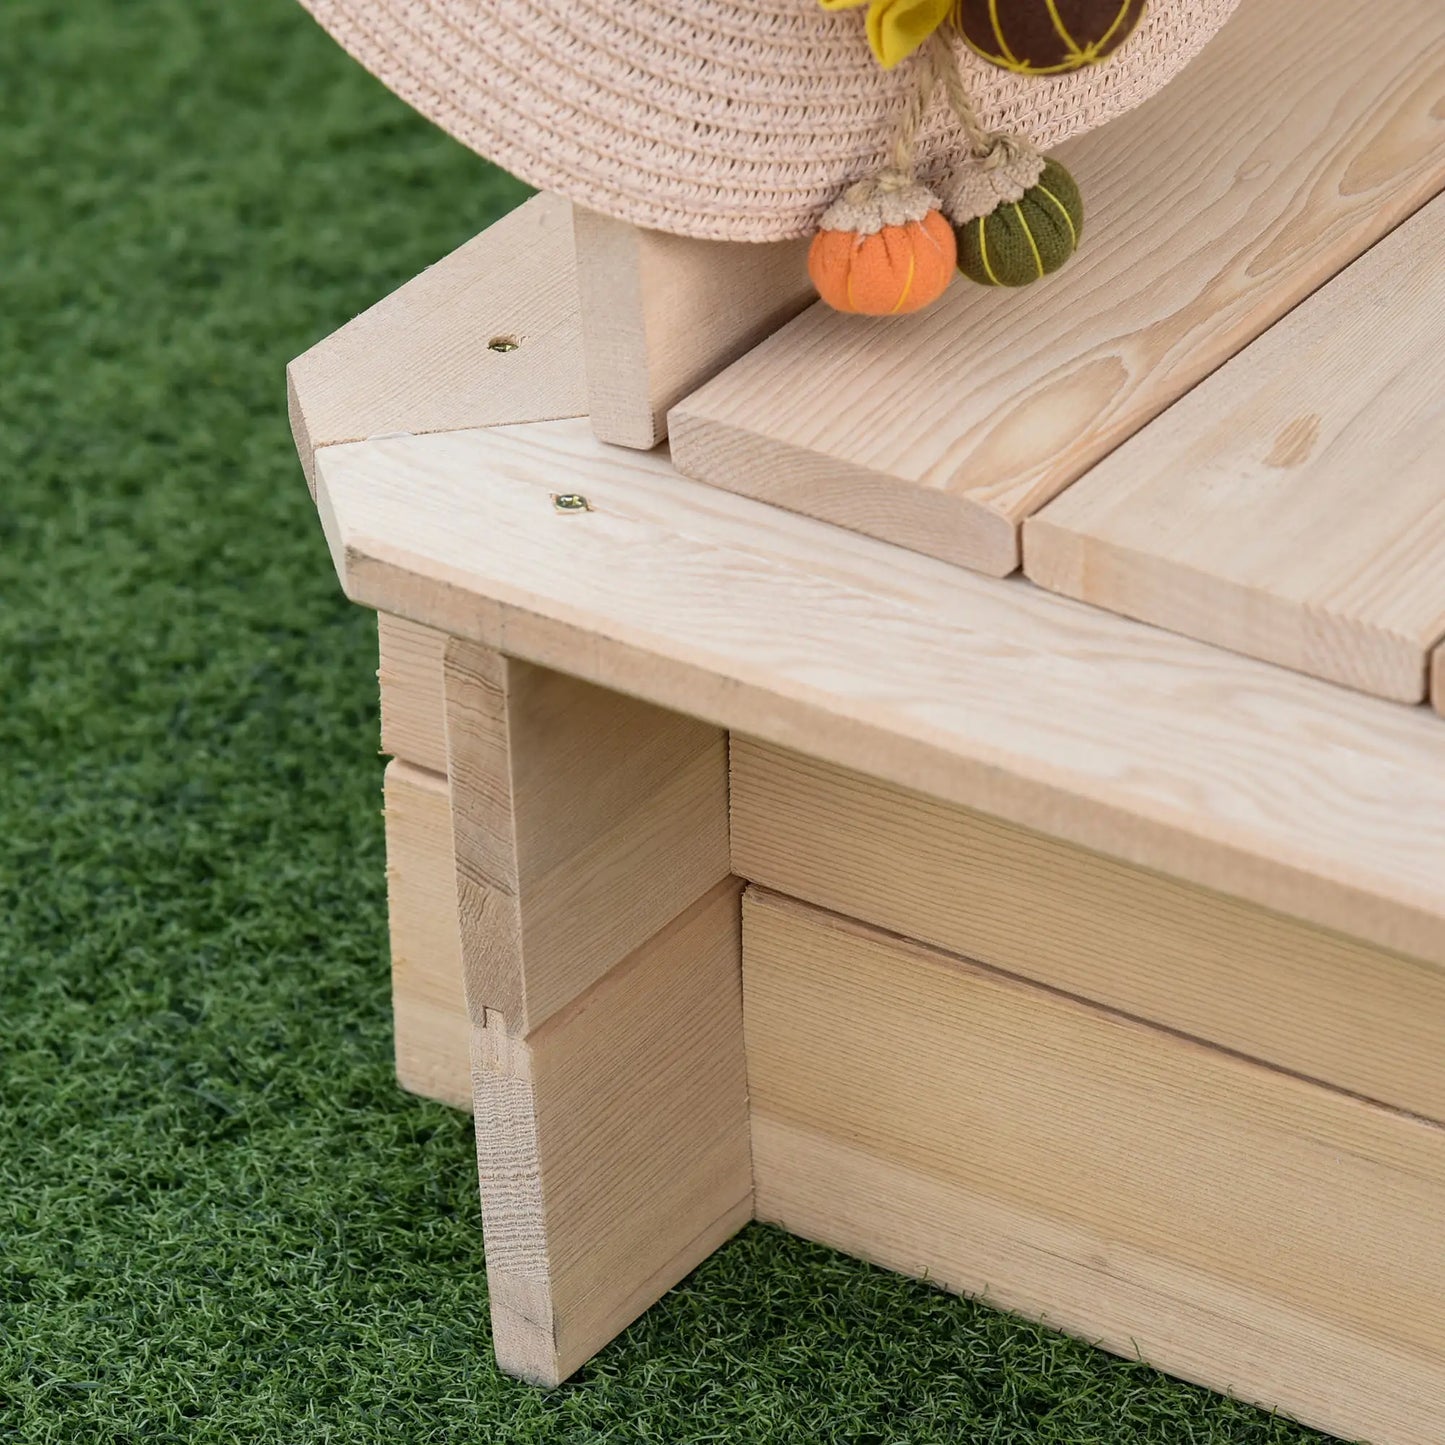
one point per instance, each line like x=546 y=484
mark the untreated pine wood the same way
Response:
x=1328 y=1007
x=1227 y=1222
x=487 y=336
x=583 y=820
x=662 y=314
x=413 y=701
x=612 y=1144
x=1293 y=506
x=429 y=1012
x=1214 y=209
x=1163 y=752
x=600 y=959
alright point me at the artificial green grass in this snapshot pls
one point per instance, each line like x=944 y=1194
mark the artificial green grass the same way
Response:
x=219 y=1218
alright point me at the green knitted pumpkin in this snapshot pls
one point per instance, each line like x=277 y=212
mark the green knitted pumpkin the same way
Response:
x=1025 y=239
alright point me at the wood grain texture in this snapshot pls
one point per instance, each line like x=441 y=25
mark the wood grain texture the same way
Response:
x=419 y=361
x=1214 y=209
x=1159 y=751
x=433 y=1035
x=1305 y=999
x=1231 y=1224
x=1437 y=680
x=662 y=314
x=583 y=822
x=612 y=1144
x=413 y=693
x=600 y=960
x=1293 y=506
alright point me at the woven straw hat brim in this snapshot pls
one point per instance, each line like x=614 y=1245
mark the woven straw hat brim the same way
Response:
x=734 y=120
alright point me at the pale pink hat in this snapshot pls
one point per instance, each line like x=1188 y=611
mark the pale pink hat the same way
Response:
x=728 y=119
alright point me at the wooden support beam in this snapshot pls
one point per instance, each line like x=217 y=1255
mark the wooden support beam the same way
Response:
x=1291 y=507
x=413 y=700
x=433 y=1039
x=662 y=314
x=601 y=964
x=1229 y=1223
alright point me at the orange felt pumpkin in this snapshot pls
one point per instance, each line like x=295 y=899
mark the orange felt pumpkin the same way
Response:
x=884 y=270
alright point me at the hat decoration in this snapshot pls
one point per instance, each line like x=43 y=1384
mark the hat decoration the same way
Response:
x=1003 y=214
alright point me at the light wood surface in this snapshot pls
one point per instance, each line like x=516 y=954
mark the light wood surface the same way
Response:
x=1293 y=506
x=1437 y=680
x=612 y=1144
x=1288 y=792
x=662 y=314
x=1230 y=1223
x=413 y=702
x=1216 y=207
x=421 y=360
x=583 y=822
x=1325 y=1006
x=433 y=1037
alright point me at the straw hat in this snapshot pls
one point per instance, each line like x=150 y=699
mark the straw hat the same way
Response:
x=726 y=119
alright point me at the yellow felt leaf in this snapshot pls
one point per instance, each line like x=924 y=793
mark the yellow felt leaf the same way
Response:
x=896 y=28
x=841 y=4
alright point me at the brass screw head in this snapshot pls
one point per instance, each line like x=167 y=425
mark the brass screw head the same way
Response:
x=570 y=502
x=503 y=343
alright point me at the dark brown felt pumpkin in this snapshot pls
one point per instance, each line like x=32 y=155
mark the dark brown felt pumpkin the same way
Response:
x=1047 y=37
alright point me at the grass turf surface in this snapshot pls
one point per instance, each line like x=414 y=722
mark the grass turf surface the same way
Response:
x=219 y=1219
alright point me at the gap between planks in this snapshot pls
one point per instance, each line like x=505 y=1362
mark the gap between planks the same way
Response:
x=1292 y=507
x=1217 y=207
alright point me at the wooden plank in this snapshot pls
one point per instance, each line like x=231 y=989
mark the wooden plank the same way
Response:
x=1214 y=209
x=1325 y=1006
x=1437 y=680
x=1292 y=506
x=413 y=702
x=421 y=360
x=1157 y=750
x=1231 y=1224
x=602 y=971
x=583 y=822
x=433 y=1035
x=662 y=314
x=612 y=1144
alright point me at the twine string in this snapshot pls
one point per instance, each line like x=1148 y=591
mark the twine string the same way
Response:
x=937 y=68
x=943 y=62
x=915 y=109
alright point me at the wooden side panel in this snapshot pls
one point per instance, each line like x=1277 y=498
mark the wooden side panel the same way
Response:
x=662 y=314
x=433 y=1036
x=943 y=431
x=1437 y=680
x=421 y=360
x=1231 y=1224
x=601 y=964
x=413 y=701
x=613 y=1144
x=1217 y=968
x=1293 y=506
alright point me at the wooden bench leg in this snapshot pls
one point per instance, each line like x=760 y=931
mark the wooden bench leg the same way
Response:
x=601 y=958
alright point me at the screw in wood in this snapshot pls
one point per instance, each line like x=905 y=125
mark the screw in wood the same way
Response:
x=503 y=343
x=570 y=502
